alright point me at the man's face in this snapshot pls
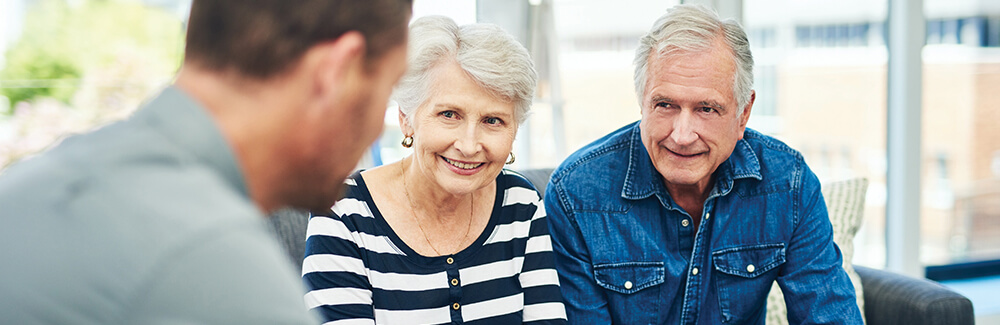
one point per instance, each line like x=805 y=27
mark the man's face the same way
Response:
x=350 y=129
x=690 y=119
x=373 y=94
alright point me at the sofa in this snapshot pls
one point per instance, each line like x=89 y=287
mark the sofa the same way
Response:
x=889 y=298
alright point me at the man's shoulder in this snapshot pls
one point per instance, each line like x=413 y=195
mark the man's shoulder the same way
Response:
x=601 y=158
x=121 y=181
x=119 y=165
x=114 y=209
x=778 y=162
x=762 y=143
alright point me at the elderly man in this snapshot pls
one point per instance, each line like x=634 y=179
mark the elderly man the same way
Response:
x=687 y=216
x=159 y=219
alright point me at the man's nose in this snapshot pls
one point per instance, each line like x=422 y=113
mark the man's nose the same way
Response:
x=684 y=129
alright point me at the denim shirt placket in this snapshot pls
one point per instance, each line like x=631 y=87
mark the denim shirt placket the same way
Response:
x=702 y=240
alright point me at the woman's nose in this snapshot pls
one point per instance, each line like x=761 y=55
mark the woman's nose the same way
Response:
x=468 y=142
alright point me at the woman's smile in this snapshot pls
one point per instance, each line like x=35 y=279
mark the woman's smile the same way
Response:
x=462 y=165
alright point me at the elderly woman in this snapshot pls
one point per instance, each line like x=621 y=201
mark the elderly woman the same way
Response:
x=445 y=235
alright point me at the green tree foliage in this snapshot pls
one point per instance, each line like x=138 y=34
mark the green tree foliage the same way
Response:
x=65 y=41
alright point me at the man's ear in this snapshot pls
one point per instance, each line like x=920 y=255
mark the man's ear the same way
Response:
x=745 y=117
x=338 y=62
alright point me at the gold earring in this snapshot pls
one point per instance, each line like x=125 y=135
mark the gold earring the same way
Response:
x=511 y=160
x=407 y=141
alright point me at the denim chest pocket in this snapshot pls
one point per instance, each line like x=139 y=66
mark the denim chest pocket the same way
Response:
x=632 y=289
x=744 y=274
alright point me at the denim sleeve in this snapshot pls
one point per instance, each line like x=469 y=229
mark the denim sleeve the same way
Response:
x=816 y=287
x=584 y=299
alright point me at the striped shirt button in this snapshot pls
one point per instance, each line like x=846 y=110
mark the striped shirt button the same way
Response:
x=455 y=306
x=454 y=282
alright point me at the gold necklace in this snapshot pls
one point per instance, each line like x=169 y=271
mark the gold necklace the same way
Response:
x=406 y=190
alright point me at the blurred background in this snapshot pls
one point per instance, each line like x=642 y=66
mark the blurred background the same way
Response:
x=821 y=76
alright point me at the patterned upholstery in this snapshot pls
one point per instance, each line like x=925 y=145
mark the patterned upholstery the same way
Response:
x=845 y=203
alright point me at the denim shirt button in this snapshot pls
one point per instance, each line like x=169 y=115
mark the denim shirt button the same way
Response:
x=694 y=271
x=750 y=268
x=685 y=223
x=707 y=215
x=628 y=285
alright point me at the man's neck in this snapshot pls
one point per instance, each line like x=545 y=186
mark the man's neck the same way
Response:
x=246 y=114
x=691 y=198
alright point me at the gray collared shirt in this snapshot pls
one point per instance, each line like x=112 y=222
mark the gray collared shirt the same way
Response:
x=145 y=221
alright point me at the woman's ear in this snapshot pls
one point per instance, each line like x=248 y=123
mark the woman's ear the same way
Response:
x=404 y=124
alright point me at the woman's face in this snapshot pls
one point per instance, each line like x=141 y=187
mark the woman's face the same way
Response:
x=462 y=134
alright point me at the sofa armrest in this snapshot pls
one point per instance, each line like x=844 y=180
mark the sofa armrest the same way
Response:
x=892 y=298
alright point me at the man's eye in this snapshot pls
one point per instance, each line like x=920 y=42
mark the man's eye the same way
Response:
x=662 y=104
x=707 y=109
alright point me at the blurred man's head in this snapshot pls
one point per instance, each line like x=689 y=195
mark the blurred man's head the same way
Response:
x=299 y=87
x=263 y=38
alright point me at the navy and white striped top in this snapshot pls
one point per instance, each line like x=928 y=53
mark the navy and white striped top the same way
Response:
x=360 y=272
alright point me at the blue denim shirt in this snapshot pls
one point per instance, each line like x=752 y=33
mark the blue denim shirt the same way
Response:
x=628 y=254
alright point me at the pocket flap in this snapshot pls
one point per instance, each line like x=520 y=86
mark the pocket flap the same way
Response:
x=628 y=277
x=749 y=261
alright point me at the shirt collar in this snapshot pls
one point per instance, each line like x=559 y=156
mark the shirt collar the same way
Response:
x=643 y=180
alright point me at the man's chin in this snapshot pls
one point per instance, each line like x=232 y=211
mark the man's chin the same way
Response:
x=321 y=202
x=681 y=179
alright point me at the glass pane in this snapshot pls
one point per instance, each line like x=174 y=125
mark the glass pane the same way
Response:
x=596 y=43
x=68 y=66
x=820 y=78
x=961 y=142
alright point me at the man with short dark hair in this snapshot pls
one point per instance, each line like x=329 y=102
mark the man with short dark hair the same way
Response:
x=159 y=219
x=688 y=216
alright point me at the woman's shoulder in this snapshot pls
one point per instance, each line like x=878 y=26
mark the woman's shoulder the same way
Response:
x=518 y=195
x=513 y=179
x=353 y=205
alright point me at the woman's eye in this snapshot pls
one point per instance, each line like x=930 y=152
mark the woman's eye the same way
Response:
x=448 y=114
x=493 y=121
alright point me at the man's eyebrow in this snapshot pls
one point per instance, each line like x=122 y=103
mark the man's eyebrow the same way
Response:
x=659 y=98
x=712 y=104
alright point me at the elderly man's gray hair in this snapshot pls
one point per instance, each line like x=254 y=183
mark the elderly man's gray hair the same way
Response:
x=490 y=56
x=691 y=28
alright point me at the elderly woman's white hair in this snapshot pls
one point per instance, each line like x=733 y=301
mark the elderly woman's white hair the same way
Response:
x=691 y=28
x=488 y=54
